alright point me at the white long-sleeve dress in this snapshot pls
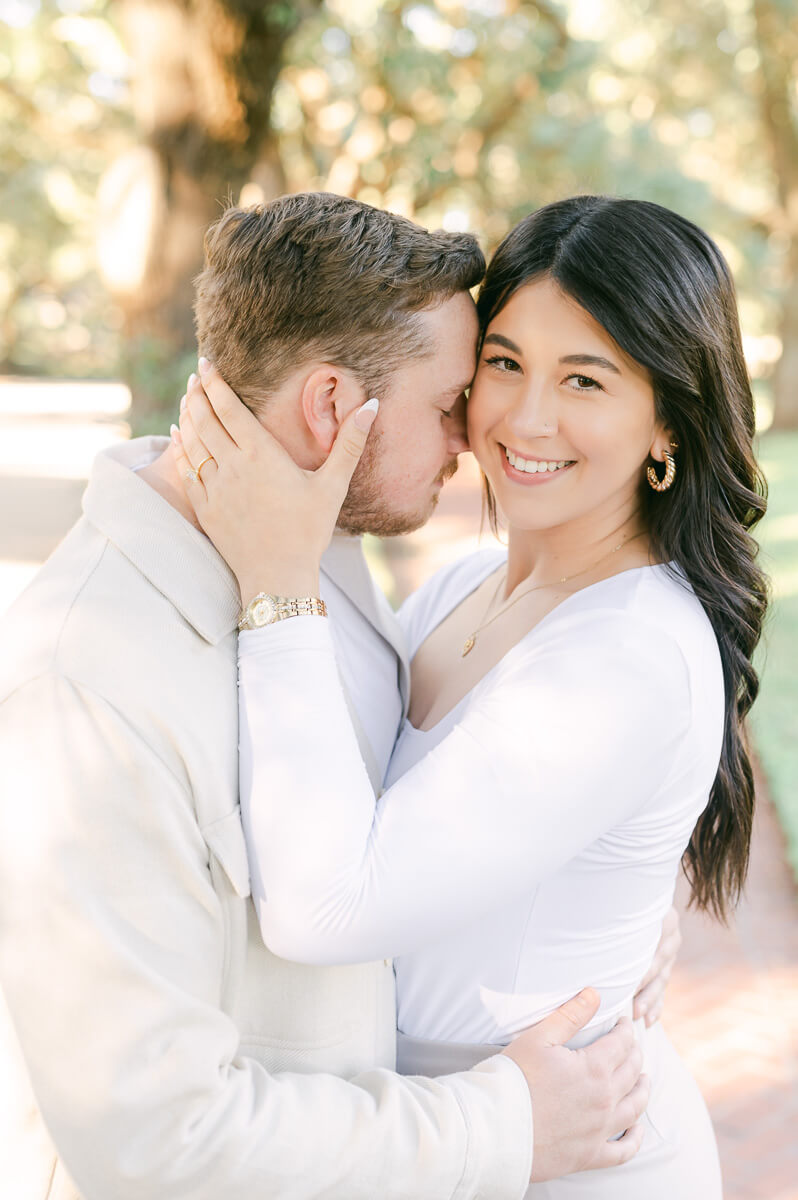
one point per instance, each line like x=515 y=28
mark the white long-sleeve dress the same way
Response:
x=524 y=846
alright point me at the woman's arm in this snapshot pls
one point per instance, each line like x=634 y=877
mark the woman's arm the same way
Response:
x=563 y=743
x=569 y=743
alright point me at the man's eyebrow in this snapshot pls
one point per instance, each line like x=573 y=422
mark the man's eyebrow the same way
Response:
x=501 y=340
x=590 y=360
x=457 y=389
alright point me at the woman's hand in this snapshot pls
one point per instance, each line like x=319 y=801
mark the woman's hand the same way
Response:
x=650 y=996
x=268 y=518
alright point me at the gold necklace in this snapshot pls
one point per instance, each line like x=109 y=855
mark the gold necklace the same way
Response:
x=471 y=641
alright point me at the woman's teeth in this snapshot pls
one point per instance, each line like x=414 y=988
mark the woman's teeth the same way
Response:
x=534 y=465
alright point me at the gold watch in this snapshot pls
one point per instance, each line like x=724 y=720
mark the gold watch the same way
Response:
x=265 y=609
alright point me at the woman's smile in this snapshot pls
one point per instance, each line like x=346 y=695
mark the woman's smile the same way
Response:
x=525 y=469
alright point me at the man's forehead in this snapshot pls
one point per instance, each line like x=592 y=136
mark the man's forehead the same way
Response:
x=452 y=331
x=456 y=361
x=455 y=313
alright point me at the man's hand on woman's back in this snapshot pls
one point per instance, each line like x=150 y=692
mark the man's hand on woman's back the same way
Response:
x=581 y=1099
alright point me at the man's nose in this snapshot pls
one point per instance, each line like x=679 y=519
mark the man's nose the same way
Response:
x=457 y=435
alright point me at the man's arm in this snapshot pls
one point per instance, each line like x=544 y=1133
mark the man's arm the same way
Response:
x=111 y=944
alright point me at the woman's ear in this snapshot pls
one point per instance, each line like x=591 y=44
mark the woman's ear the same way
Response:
x=664 y=443
x=329 y=394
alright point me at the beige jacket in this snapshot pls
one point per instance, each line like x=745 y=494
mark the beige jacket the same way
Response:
x=169 y=1053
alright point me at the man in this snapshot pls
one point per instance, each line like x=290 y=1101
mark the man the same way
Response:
x=167 y=1052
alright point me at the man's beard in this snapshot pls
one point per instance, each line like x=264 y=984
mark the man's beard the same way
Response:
x=365 y=509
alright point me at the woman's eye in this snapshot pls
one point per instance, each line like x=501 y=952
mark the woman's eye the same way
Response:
x=503 y=363
x=584 y=383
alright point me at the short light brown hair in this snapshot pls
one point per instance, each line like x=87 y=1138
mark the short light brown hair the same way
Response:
x=314 y=276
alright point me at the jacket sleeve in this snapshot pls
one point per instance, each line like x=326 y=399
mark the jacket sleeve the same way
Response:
x=111 y=946
x=560 y=744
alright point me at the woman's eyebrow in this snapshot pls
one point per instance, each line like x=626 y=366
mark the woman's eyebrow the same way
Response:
x=576 y=360
x=500 y=340
x=589 y=360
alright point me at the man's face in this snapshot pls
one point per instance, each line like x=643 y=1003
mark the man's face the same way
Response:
x=420 y=430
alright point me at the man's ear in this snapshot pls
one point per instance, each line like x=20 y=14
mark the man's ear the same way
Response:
x=328 y=396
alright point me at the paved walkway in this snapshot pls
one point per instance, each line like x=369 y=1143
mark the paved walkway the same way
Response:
x=49 y=434
x=732 y=1007
x=732 y=1012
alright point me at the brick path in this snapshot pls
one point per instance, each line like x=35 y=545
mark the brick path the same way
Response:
x=732 y=1006
x=732 y=1012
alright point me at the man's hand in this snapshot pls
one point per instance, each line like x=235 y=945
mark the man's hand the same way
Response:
x=650 y=996
x=581 y=1098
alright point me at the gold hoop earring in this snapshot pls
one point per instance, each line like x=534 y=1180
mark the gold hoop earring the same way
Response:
x=662 y=485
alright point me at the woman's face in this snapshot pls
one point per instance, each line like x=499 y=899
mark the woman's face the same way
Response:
x=559 y=418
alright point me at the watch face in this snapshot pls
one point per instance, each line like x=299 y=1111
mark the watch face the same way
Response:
x=262 y=610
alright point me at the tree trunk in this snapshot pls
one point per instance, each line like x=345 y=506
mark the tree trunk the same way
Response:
x=785 y=376
x=777 y=42
x=203 y=76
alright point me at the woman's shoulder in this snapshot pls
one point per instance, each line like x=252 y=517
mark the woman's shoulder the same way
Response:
x=442 y=592
x=645 y=618
x=658 y=596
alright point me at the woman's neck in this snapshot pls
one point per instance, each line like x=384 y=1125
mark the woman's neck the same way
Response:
x=541 y=556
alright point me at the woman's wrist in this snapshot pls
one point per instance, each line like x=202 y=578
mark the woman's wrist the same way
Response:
x=279 y=581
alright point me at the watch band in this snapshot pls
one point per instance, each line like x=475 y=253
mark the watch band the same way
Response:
x=280 y=608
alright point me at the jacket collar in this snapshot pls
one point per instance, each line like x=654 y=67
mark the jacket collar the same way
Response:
x=172 y=555
x=185 y=567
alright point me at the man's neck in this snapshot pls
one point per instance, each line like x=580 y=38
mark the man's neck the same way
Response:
x=162 y=475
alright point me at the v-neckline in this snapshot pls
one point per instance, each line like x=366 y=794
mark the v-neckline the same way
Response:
x=516 y=645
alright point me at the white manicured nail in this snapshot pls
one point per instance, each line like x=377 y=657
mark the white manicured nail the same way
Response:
x=367 y=413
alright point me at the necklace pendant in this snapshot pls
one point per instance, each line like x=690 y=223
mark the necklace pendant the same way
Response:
x=468 y=645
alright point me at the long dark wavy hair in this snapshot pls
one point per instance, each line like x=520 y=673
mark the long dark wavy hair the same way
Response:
x=662 y=290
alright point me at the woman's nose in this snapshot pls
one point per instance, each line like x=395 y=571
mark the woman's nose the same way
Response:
x=535 y=414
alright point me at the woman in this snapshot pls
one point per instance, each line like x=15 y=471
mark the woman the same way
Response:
x=576 y=722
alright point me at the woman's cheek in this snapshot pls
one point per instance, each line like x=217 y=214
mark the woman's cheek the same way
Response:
x=474 y=417
x=477 y=424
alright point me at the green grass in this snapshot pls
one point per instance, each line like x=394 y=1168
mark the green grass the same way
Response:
x=774 y=717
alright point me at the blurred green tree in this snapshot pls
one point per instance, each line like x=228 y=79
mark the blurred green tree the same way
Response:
x=461 y=113
x=720 y=82
x=776 y=23
x=62 y=115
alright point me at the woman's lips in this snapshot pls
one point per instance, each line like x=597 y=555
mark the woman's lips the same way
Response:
x=530 y=479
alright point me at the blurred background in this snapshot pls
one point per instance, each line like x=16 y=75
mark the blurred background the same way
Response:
x=127 y=125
